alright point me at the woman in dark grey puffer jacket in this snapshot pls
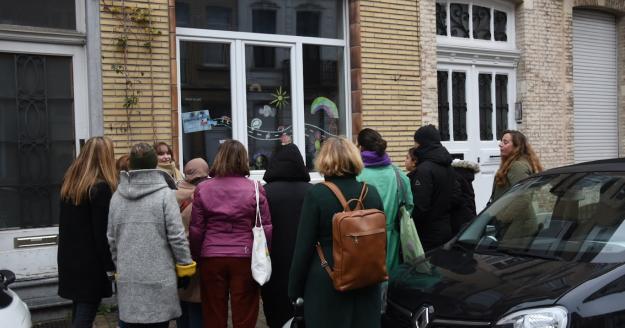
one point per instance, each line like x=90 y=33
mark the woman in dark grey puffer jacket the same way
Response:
x=147 y=242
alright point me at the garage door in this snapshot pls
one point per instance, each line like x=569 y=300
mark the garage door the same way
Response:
x=595 y=85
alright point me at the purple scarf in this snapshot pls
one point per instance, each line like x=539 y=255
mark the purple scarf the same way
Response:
x=372 y=159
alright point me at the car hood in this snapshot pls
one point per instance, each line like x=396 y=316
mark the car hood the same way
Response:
x=483 y=287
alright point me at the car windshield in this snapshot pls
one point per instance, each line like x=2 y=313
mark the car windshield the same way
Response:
x=570 y=217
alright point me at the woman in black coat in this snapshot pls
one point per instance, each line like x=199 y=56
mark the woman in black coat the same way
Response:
x=287 y=184
x=84 y=256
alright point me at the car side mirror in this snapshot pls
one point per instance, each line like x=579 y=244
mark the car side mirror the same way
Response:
x=6 y=278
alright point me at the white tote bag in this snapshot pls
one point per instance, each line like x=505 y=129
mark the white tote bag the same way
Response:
x=261 y=262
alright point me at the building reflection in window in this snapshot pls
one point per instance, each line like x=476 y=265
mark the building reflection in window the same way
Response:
x=269 y=105
x=324 y=103
x=205 y=98
x=264 y=16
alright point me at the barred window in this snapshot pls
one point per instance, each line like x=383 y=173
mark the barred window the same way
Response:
x=471 y=21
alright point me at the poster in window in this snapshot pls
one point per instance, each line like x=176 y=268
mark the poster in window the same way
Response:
x=197 y=121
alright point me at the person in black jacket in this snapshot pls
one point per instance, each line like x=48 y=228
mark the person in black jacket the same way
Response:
x=287 y=184
x=432 y=188
x=83 y=256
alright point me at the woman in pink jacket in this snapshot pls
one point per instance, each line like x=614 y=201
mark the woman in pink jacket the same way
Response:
x=223 y=213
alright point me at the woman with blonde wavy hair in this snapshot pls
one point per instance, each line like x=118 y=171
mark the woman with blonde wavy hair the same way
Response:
x=339 y=161
x=518 y=161
x=83 y=255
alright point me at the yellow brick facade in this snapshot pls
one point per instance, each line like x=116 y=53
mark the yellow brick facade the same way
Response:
x=391 y=79
x=150 y=119
x=388 y=79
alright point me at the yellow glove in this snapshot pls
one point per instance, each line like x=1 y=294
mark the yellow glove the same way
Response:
x=185 y=270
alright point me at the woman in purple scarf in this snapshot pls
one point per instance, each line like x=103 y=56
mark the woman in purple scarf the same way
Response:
x=381 y=173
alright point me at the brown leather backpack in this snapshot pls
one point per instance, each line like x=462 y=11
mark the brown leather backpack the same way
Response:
x=359 y=244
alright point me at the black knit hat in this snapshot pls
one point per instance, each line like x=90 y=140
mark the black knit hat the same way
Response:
x=143 y=157
x=427 y=135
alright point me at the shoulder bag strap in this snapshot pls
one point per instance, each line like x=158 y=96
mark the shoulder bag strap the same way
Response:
x=258 y=222
x=322 y=258
x=400 y=187
x=337 y=192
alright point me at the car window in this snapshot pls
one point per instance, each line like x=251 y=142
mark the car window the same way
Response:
x=571 y=217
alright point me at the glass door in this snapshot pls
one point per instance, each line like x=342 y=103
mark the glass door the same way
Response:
x=205 y=98
x=269 y=101
x=262 y=92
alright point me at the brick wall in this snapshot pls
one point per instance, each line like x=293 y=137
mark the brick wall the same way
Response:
x=543 y=80
x=427 y=52
x=151 y=118
x=390 y=71
x=545 y=74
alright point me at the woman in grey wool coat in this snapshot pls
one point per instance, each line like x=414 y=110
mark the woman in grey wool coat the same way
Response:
x=147 y=242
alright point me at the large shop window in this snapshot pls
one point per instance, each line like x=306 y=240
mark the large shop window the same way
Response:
x=37 y=141
x=39 y=13
x=254 y=16
x=471 y=21
x=263 y=90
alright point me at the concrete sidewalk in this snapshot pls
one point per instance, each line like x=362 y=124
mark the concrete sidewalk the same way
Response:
x=107 y=318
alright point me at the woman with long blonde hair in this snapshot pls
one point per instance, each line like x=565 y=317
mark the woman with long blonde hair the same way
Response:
x=518 y=161
x=83 y=255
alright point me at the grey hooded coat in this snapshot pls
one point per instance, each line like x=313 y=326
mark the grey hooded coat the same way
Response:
x=147 y=239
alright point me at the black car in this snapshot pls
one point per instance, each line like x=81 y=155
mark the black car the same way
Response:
x=549 y=253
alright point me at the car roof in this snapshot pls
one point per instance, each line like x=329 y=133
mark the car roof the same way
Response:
x=604 y=165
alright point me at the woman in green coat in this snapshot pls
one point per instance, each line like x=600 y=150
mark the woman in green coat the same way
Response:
x=518 y=161
x=382 y=174
x=324 y=307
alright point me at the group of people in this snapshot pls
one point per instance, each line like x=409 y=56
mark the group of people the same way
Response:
x=146 y=224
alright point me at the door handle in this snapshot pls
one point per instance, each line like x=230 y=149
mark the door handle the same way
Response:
x=35 y=241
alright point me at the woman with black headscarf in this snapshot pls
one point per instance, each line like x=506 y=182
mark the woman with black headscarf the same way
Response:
x=287 y=184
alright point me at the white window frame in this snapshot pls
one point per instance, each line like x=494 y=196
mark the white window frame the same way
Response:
x=238 y=41
x=511 y=95
x=79 y=73
x=472 y=98
x=503 y=6
x=47 y=34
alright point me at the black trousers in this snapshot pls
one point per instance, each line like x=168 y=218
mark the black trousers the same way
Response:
x=83 y=314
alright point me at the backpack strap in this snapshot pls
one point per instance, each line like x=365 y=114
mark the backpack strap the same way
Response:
x=345 y=203
x=337 y=192
x=363 y=194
